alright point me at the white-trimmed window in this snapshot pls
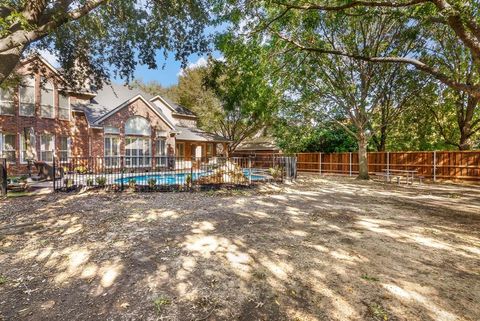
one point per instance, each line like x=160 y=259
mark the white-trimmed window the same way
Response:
x=161 y=151
x=7 y=147
x=47 y=106
x=7 y=106
x=111 y=130
x=180 y=150
x=47 y=147
x=137 y=151
x=64 y=148
x=137 y=125
x=28 y=145
x=112 y=150
x=26 y=95
x=209 y=150
x=138 y=147
x=63 y=106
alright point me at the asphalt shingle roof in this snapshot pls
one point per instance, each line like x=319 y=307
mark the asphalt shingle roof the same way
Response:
x=110 y=97
x=196 y=134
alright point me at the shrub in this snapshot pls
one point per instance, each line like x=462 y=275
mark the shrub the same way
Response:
x=276 y=172
x=152 y=182
x=68 y=182
x=81 y=169
x=132 y=182
x=89 y=181
x=101 y=181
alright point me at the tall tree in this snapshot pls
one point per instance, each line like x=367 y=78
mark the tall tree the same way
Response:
x=248 y=96
x=457 y=113
x=341 y=85
x=460 y=17
x=90 y=36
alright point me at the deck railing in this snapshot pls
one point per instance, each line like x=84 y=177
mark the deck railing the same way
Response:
x=150 y=173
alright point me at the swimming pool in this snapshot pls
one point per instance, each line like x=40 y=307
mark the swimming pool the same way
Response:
x=179 y=178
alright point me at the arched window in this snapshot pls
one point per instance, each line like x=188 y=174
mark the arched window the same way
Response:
x=137 y=149
x=137 y=126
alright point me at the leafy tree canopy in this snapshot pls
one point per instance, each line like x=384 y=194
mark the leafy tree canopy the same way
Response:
x=99 y=39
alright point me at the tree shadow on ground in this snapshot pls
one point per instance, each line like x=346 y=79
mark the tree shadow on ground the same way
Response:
x=320 y=249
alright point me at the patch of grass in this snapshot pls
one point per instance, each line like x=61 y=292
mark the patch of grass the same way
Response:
x=370 y=278
x=454 y=195
x=3 y=279
x=378 y=312
x=160 y=303
x=18 y=194
x=259 y=274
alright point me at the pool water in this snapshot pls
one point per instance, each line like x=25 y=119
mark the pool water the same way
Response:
x=177 y=178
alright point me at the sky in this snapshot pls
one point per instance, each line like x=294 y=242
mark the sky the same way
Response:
x=169 y=70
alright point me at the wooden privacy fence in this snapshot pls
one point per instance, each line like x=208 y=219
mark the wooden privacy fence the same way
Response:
x=448 y=165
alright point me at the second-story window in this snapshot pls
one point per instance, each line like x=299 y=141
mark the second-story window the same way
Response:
x=27 y=97
x=46 y=101
x=6 y=102
x=63 y=106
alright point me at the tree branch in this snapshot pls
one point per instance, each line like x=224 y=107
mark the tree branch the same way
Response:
x=473 y=90
x=353 y=4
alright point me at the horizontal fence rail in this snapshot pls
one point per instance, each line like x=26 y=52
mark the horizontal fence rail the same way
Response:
x=446 y=165
x=168 y=172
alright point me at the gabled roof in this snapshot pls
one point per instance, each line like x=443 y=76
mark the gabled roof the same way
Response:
x=113 y=97
x=175 y=108
x=258 y=143
x=196 y=134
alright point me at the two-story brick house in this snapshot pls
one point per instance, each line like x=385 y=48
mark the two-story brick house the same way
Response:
x=42 y=119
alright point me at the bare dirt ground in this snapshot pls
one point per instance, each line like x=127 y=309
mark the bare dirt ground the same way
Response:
x=317 y=249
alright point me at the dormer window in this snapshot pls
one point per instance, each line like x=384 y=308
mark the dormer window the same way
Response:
x=47 y=100
x=26 y=95
x=6 y=102
x=63 y=106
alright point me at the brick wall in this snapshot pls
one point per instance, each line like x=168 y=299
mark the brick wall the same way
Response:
x=76 y=127
x=118 y=120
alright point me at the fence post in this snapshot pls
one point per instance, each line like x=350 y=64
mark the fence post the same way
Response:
x=121 y=173
x=320 y=161
x=249 y=170
x=191 y=175
x=3 y=177
x=434 y=165
x=350 y=165
x=54 y=173
x=388 y=166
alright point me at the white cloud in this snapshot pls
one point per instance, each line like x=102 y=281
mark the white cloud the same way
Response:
x=201 y=62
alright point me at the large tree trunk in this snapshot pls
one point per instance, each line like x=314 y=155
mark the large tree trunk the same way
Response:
x=464 y=120
x=362 y=156
x=8 y=61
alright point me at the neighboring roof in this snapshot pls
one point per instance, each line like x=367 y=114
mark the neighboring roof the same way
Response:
x=174 y=107
x=112 y=97
x=258 y=143
x=188 y=133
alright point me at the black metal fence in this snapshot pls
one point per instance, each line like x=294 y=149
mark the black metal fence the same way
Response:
x=168 y=173
x=3 y=177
